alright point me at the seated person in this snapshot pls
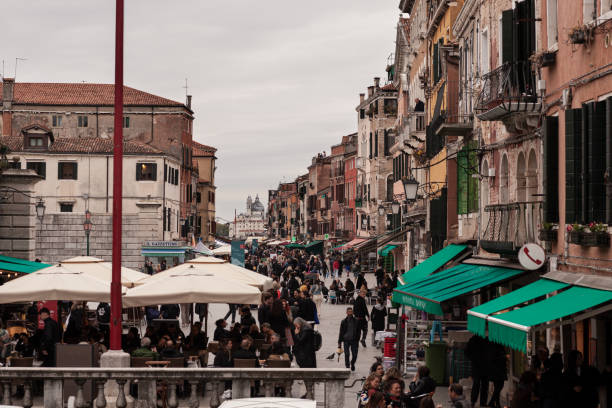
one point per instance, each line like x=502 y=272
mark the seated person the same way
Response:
x=145 y=350
x=196 y=340
x=278 y=352
x=244 y=353
x=421 y=386
x=221 y=332
x=176 y=334
x=223 y=358
x=255 y=333
x=266 y=330
x=170 y=351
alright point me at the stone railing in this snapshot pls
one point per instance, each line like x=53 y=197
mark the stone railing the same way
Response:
x=150 y=380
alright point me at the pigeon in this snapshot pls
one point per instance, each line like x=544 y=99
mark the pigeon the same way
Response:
x=331 y=356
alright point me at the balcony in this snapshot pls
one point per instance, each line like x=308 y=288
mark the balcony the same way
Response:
x=510 y=226
x=149 y=380
x=452 y=122
x=509 y=91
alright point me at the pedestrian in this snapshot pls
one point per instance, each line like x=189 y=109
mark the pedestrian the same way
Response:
x=476 y=351
x=163 y=265
x=316 y=291
x=524 y=394
x=170 y=311
x=279 y=321
x=232 y=311
x=549 y=382
x=186 y=313
x=419 y=106
x=201 y=309
x=307 y=309
x=336 y=268
x=497 y=371
x=378 y=315
x=581 y=382
x=304 y=344
x=349 y=337
x=455 y=392
x=362 y=315
x=246 y=319
x=380 y=275
x=263 y=312
x=50 y=336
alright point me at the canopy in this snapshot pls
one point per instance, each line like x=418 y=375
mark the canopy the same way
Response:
x=17 y=265
x=202 y=249
x=102 y=270
x=428 y=293
x=384 y=251
x=348 y=245
x=55 y=283
x=433 y=263
x=314 y=247
x=294 y=246
x=217 y=267
x=193 y=286
x=477 y=317
x=512 y=328
x=223 y=250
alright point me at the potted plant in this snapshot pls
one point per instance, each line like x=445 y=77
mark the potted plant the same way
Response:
x=548 y=232
x=578 y=35
x=600 y=233
x=575 y=233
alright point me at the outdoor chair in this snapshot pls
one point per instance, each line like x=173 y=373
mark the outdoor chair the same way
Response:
x=213 y=347
x=139 y=361
x=278 y=363
x=264 y=351
x=21 y=361
x=245 y=362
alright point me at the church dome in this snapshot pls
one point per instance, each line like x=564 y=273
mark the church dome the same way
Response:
x=257 y=205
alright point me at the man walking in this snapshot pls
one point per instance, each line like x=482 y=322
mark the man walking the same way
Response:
x=349 y=336
x=50 y=336
x=362 y=315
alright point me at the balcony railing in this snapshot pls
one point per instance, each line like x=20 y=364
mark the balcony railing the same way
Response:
x=507 y=89
x=510 y=226
x=151 y=380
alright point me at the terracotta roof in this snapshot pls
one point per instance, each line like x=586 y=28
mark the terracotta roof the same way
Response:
x=83 y=94
x=81 y=145
x=389 y=87
x=202 y=150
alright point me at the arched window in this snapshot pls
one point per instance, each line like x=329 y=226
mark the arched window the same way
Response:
x=532 y=176
x=521 y=181
x=390 y=187
x=504 y=181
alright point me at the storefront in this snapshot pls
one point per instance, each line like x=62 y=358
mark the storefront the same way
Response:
x=172 y=252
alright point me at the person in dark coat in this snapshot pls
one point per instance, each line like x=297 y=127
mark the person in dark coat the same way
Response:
x=245 y=353
x=221 y=332
x=476 y=351
x=50 y=336
x=361 y=282
x=581 y=382
x=201 y=309
x=349 y=336
x=246 y=319
x=550 y=380
x=278 y=319
x=377 y=316
x=362 y=315
x=497 y=372
x=304 y=344
x=171 y=311
x=223 y=358
x=307 y=309
x=263 y=312
x=422 y=385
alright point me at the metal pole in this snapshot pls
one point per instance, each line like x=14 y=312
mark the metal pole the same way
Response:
x=87 y=234
x=115 y=323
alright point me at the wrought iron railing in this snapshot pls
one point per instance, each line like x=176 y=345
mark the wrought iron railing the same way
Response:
x=510 y=226
x=507 y=84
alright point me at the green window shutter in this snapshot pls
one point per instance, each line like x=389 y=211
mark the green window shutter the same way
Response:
x=596 y=162
x=473 y=182
x=507 y=36
x=462 y=182
x=608 y=153
x=573 y=164
x=435 y=63
x=551 y=168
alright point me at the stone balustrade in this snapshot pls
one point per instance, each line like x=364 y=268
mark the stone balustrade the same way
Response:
x=150 y=380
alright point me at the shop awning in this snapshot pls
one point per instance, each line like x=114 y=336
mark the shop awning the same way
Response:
x=294 y=246
x=512 y=328
x=428 y=293
x=163 y=252
x=384 y=251
x=17 y=265
x=433 y=263
x=350 y=244
x=477 y=317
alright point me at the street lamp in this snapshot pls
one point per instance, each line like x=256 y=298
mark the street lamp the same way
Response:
x=395 y=206
x=40 y=209
x=410 y=188
x=87 y=227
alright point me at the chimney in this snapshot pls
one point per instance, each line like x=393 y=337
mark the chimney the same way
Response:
x=8 y=85
x=370 y=91
x=189 y=101
x=377 y=82
x=361 y=97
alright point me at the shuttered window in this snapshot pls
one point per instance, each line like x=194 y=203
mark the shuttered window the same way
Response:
x=551 y=163
x=573 y=165
x=436 y=63
x=608 y=135
x=467 y=185
x=371 y=150
x=596 y=161
x=376 y=144
x=507 y=36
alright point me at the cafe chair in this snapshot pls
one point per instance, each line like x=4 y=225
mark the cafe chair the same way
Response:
x=278 y=363
x=139 y=361
x=245 y=362
x=213 y=347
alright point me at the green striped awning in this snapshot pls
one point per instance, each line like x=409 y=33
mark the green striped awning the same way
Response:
x=10 y=264
x=433 y=263
x=427 y=294
x=477 y=317
x=512 y=328
x=384 y=251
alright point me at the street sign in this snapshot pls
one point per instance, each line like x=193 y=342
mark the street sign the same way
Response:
x=293 y=239
x=532 y=256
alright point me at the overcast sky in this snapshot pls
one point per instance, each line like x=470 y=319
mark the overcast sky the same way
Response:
x=273 y=81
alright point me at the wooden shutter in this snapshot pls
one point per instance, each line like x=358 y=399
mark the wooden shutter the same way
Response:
x=371 y=150
x=376 y=144
x=573 y=164
x=165 y=173
x=462 y=182
x=608 y=159
x=508 y=36
x=596 y=162
x=551 y=169
x=435 y=62
x=473 y=182
x=164 y=218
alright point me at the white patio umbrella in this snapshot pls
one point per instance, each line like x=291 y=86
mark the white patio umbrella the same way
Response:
x=223 y=250
x=100 y=269
x=192 y=286
x=55 y=283
x=217 y=267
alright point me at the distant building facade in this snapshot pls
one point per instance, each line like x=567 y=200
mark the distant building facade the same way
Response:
x=251 y=223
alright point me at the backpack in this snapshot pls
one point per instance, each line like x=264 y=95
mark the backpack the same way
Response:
x=318 y=340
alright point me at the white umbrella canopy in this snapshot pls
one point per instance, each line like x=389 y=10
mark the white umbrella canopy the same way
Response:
x=100 y=269
x=55 y=283
x=190 y=287
x=223 y=250
x=217 y=267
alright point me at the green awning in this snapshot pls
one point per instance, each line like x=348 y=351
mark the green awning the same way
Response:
x=8 y=259
x=512 y=328
x=427 y=294
x=384 y=251
x=19 y=268
x=313 y=244
x=294 y=246
x=433 y=263
x=477 y=317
